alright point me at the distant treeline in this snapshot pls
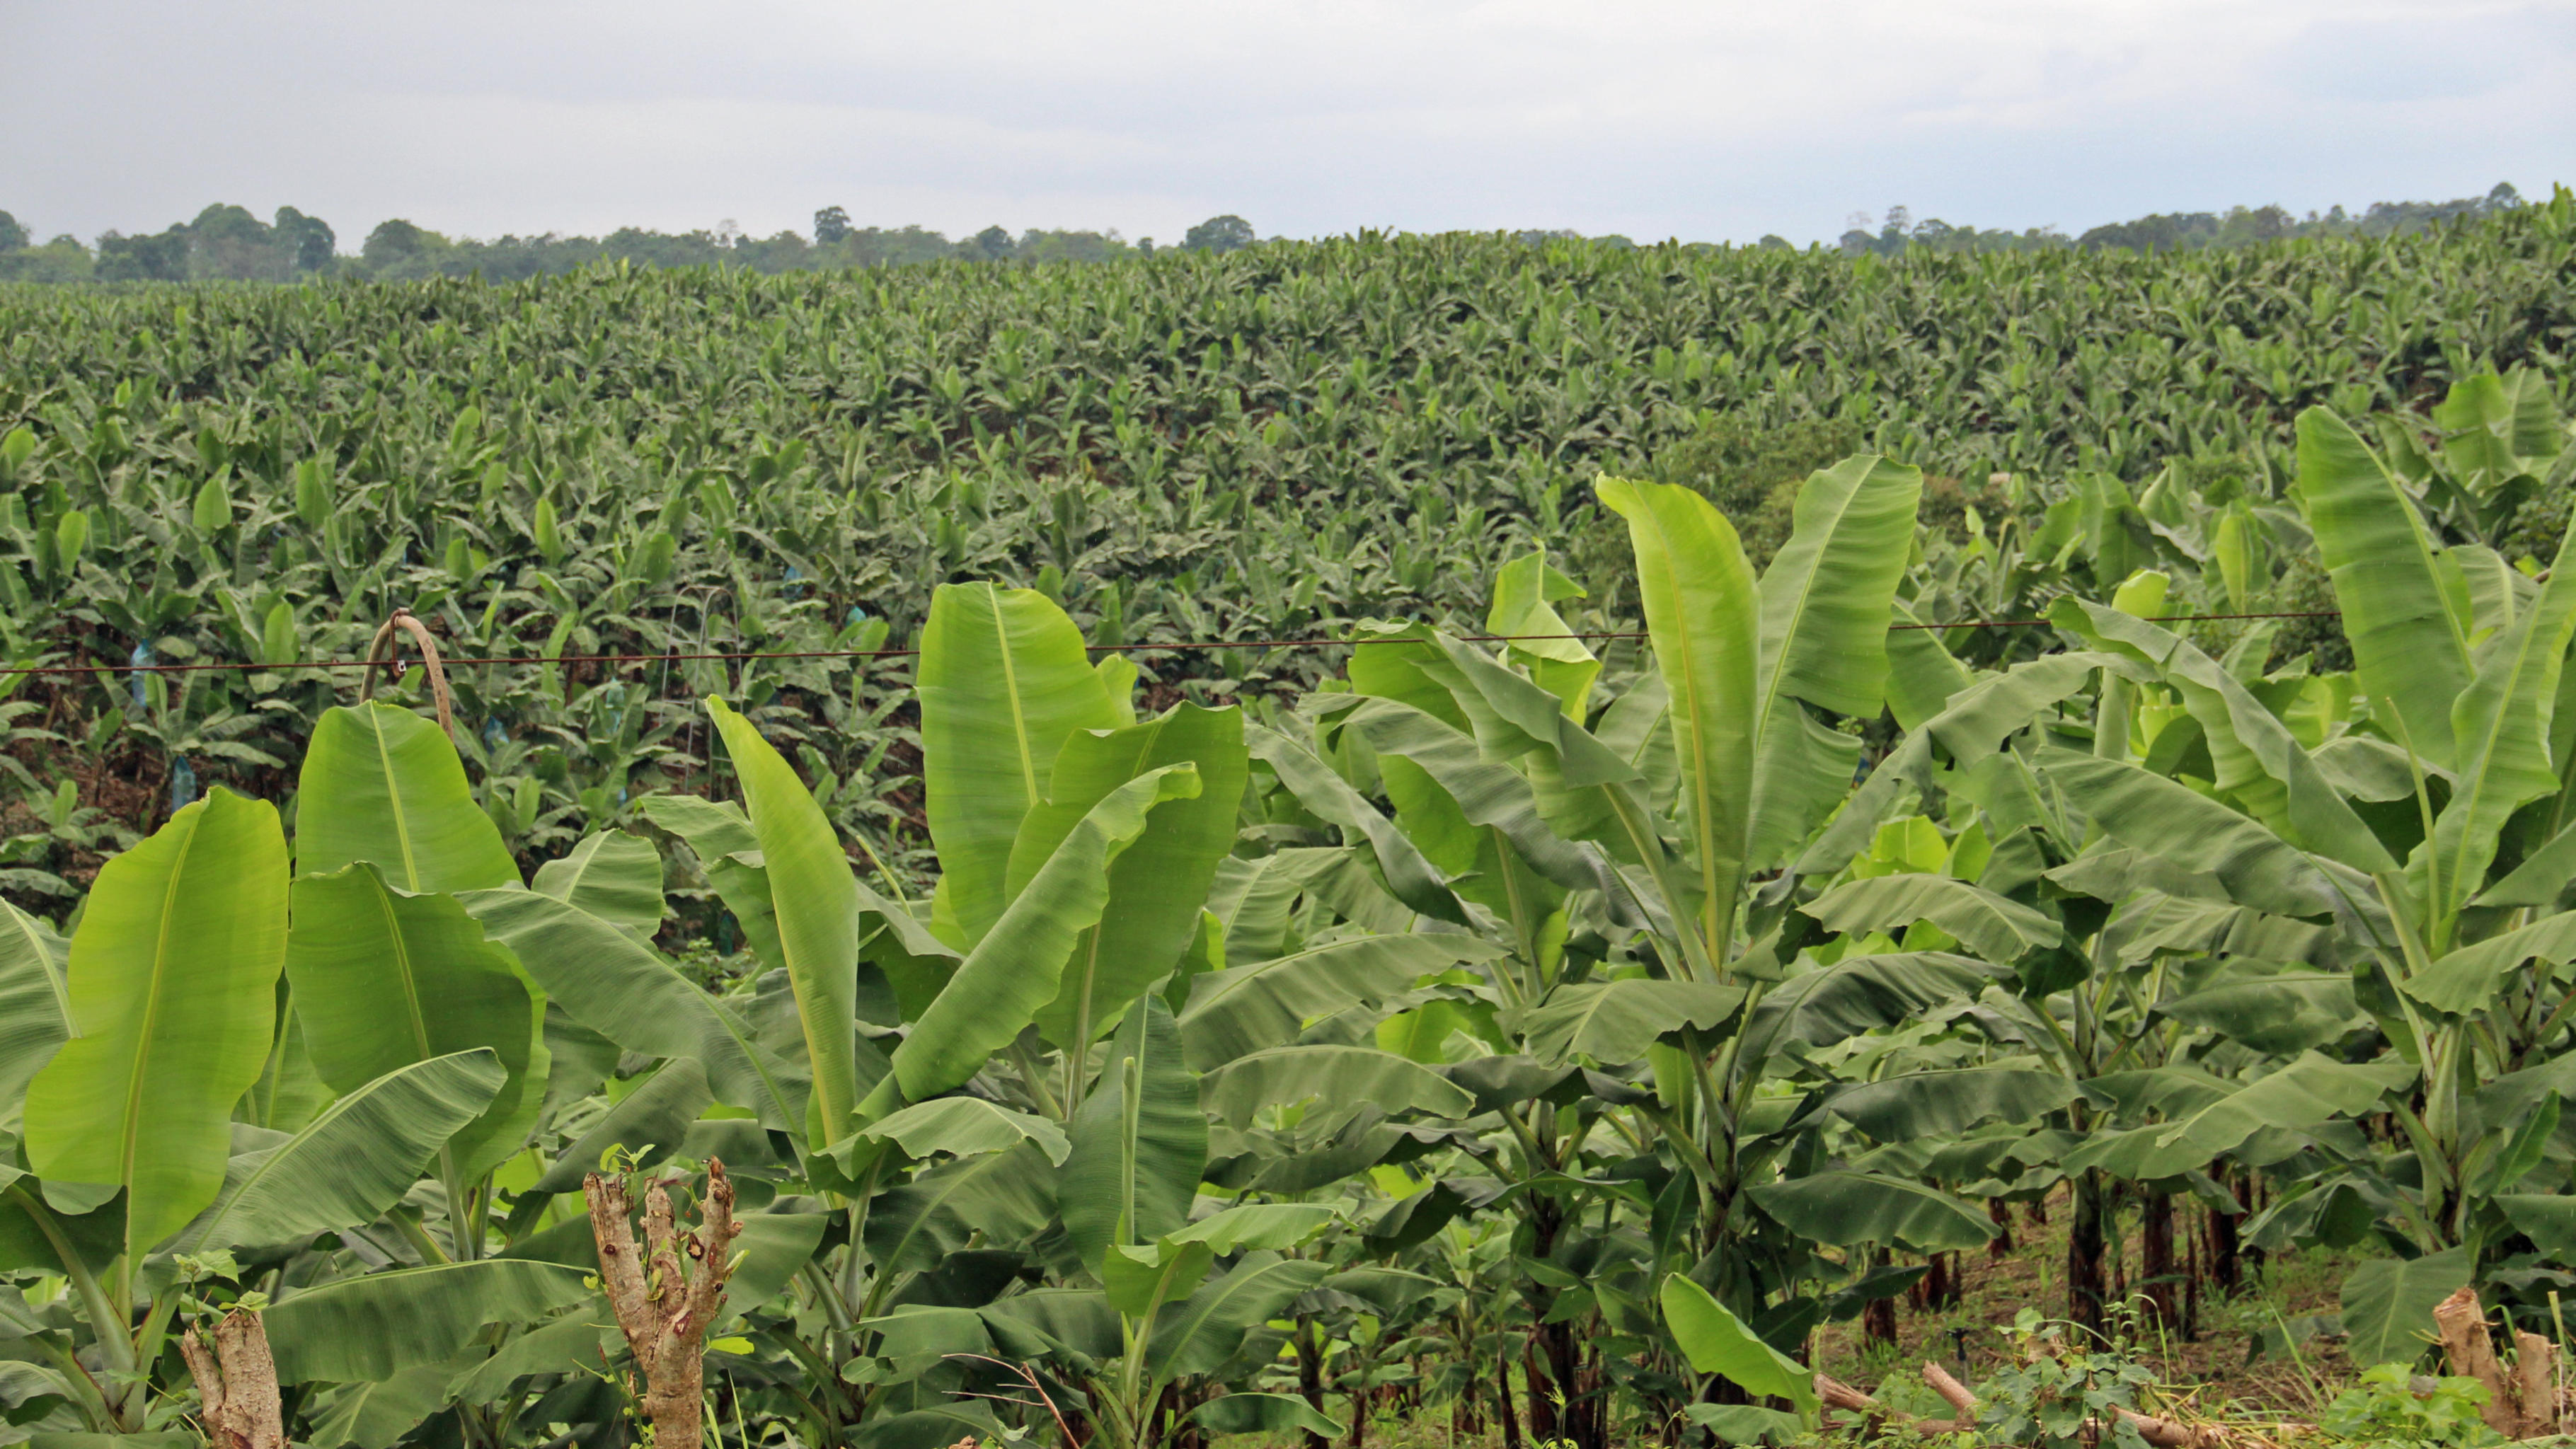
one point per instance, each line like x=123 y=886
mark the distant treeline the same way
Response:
x=2171 y=231
x=229 y=243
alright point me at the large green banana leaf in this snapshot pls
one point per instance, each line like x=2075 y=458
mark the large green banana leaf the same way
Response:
x=1805 y=770
x=1913 y=1106
x=383 y=979
x=1825 y=608
x=1487 y=793
x=2311 y=1090
x=1412 y=879
x=173 y=983
x=377 y=1416
x=1526 y=592
x=2170 y=820
x=631 y=994
x=382 y=784
x=2259 y=761
x=1019 y=965
x=611 y=874
x=1272 y=1416
x=1244 y=1009
x=2409 y=640
x=2002 y=931
x=1139 y=1141
x=1922 y=676
x=35 y=1003
x=1206 y=1329
x=367 y=1328
x=720 y=835
x=1251 y=899
x=966 y=1127
x=1613 y=1022
x=1717 y=1342
x=994 y=1197
x=1337 y=1078
x=1156 y=885
x=2283 y=1012
x=2388 y=1303
x=1003 y=682
x=1704 y=618
x=1858 y=994
x=351 y=1162
x=1847 y=1209
x=817 y=905
x=648 y=1123
x=2501 y=729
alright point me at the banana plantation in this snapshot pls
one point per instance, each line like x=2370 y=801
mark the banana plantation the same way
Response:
x=1642 y=936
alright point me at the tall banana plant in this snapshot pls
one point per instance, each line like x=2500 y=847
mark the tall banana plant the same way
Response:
x=2427 y=820
x=1639 y=868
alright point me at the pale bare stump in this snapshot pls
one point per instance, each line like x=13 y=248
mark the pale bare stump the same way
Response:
x=237 y=1380
x=666 y=1296
x=2522 y=1403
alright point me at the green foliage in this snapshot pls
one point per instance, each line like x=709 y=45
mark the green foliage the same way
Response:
x=2386 y=1407
x=2062 y=1394
x=1623 y=1014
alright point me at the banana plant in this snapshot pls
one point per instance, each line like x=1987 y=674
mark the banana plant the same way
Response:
x=1526 y=818
x=2420 y=826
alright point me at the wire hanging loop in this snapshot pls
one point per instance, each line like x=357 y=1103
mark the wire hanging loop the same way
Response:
x=381 y=656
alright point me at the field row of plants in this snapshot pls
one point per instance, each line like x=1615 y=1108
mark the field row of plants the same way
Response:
x=1259 y=444
x=1516 y=1031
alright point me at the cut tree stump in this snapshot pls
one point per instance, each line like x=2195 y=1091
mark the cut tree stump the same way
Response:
x=2522 y=1403
x=237 y=1380
x=667 y=1296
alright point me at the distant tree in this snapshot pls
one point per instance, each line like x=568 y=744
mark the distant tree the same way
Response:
x=784 y=252
x=992 y=244
x=1071 y=246
x=310 y=243
x=13 y=237
x=1219 y=234
x=1774 y=242
x=229 y=243
x=162 y=258
x=63 y=259
x=830 y=225
x=399 y=248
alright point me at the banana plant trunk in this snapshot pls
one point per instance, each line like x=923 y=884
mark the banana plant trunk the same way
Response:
x=2087 y=1295
x=2159 y=1273
x=2224 y=1268
x=1310 y=1374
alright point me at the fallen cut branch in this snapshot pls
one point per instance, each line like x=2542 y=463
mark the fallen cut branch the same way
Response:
x=2162 y=1433
x=1835 y=1394
x=1951 y=1389
x=237 y=1380
x=667 y=1296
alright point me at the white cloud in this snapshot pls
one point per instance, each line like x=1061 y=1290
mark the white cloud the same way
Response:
x=1711 y=120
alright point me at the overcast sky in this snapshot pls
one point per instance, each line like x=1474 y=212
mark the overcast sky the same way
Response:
x=1718 y=120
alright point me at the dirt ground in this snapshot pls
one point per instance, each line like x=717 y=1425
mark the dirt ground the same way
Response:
x=2215 y=1364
